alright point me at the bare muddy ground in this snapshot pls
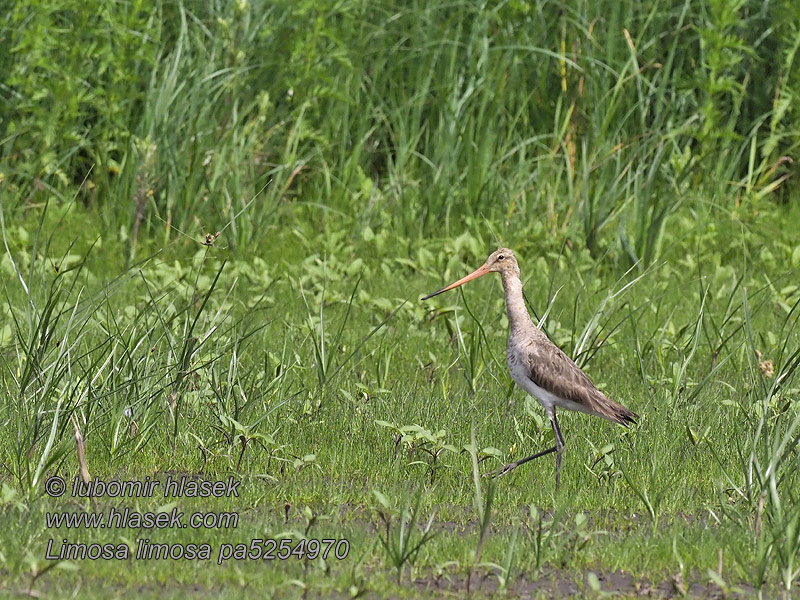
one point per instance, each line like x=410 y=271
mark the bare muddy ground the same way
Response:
x=481 y=584
x=561 y=584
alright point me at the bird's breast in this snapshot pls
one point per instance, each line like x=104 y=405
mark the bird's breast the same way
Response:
x=519 y=357
x=518 y=363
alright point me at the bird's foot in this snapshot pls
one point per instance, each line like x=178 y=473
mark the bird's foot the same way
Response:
x=502 y=470
x=511 y=466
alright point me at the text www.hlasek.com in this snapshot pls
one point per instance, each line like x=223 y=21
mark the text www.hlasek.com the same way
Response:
x=126 y=518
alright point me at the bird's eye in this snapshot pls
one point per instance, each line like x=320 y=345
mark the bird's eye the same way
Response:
x=501 y=257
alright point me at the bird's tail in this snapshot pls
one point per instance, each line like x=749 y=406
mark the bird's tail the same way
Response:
x=605 y=407
x=619 y=414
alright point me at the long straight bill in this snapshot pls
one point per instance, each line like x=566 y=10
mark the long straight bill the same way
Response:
x=482 y=270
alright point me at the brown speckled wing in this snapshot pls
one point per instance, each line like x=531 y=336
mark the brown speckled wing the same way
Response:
x=551 y=369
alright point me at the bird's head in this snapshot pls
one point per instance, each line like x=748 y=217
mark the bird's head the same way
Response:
x=501 y=260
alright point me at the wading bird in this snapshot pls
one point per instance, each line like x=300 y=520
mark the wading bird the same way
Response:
x=538 y=366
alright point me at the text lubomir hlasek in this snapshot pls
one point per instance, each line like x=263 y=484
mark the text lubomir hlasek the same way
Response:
x=184 y=487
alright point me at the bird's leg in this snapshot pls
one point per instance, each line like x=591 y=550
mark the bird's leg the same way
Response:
x=559 y=442
x=558 y=449
x=511 y=466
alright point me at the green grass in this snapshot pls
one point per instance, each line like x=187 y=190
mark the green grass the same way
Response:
x=353 y=158
x=220 y=366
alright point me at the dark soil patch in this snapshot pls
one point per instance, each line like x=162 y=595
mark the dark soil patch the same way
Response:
x=561 y=584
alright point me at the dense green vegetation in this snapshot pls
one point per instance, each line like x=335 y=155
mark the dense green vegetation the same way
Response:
x=218 y=219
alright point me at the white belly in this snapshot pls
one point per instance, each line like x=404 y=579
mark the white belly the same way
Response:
x=520 y=376
x=547 y=399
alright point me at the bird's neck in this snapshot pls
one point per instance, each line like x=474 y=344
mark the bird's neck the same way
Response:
x=515 y=304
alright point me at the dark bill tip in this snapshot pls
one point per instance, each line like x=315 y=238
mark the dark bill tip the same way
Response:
x=433 y=294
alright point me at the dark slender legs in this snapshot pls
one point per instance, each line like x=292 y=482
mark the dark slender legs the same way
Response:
x=558 y=449
x=559 y=442
x=511 y=466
